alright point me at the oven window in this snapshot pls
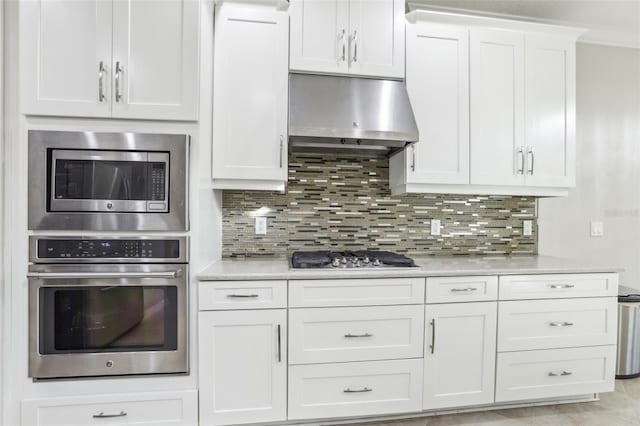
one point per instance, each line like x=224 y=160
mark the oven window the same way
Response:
x=109 y=180
x=108 y=319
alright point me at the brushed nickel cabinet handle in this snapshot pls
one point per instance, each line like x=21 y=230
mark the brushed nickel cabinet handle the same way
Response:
x=281 y=148
x=101 y=72
x=562 y=373
x=279 y=344
x=343 y=39
x=119 y=71
x=521 y=162
x=413 y=158
x=561 y=286
x=351 y=336
x=531 y=155
x=433 y=336
x=560 y=324
x=355 y=46
x=102 y=415
x=365 y=389
x=463 y=289
x=238 y=296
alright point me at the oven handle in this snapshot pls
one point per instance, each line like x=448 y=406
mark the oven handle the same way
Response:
x=103 y=275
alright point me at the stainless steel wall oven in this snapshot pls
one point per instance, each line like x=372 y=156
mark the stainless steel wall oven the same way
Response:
x=107 y=181
x=107 y=306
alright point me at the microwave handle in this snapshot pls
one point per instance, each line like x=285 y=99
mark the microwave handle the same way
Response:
x=103 y=275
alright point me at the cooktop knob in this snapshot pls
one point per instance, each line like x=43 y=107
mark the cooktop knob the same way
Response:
x=343 y=260
x=376 y=262
x=357 y=263
x=365 y=260
x=335 y=262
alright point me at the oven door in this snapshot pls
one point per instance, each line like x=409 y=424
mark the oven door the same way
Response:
x=102 y=320
x=108 y=181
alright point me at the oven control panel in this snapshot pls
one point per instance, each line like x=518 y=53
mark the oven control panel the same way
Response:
x=98 y=248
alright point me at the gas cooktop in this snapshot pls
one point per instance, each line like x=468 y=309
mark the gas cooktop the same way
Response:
x=349 y=259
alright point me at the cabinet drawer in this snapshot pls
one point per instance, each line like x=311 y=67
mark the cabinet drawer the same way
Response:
x=355 y=389
x=554 y=373
x=462 y=289
x=513 y=287
x=219 y=295
x=166 y=408
x=356 y=292
x=320 y=335
x=549 y=324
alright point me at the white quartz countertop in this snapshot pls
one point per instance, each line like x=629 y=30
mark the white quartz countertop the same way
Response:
x=428 y=266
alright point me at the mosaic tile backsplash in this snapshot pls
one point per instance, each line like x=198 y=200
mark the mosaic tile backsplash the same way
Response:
x=334 y=202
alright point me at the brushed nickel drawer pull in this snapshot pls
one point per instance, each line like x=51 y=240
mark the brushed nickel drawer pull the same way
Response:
x=107 y=416
x=562 y=286
x=563 y=373
x=365 y=389
x=560 y=324
x=464 y=289
x=349 y=335
x=241 y=296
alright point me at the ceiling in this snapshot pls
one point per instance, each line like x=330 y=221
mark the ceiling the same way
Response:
x=615 y=22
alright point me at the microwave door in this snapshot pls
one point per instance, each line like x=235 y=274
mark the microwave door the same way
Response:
x=106 y=181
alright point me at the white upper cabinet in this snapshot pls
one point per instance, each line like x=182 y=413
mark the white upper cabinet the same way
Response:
x=359 y=37
x=250 y=99
x=110 y=58
x=494 y=100
x=550 y=107
x=319 y=32
x=438 y=86
x=155 y=59
x=497 y=107
x=66 y=44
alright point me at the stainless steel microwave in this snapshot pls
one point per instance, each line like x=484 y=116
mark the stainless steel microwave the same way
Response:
x=107 y=181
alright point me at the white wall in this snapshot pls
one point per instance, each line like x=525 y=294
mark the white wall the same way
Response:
x=608 y=166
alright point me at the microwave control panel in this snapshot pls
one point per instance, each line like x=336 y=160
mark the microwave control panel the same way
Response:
x=59 y=248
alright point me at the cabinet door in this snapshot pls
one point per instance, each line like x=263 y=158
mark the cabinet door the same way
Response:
x=243 y=366
x=155 y=48
x=497 y=107
x=319 y=35
x=550 y=111
x=250 y=98
x=376 y=38
x=460 y=354
x=438 y=86
x=63 y=43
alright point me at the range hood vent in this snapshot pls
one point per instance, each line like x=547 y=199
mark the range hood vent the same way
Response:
x=349 y=115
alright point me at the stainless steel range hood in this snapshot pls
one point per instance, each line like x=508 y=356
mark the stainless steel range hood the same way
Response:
x=349 y=114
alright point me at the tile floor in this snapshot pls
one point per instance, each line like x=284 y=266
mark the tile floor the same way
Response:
x=619 y=408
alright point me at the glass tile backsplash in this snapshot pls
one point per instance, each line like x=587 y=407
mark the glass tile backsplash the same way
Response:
x=334 y=202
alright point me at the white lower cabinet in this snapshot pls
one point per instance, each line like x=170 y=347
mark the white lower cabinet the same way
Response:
x=355 y=334
x=460 y=351
x=243 y=366
x=355 y=389
x=177 y=408
x=549 y=324
x=272 y=351
x=554 y=373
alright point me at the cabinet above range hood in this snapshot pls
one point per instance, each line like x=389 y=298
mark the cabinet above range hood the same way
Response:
x=349 y=115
